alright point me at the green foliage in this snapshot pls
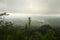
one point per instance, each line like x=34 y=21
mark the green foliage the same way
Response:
x=37 y=36
x=7 y=32
x=50 y=35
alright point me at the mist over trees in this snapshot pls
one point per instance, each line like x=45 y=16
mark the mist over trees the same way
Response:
x=10 y=32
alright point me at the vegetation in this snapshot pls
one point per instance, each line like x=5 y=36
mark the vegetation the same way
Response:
x=9 y=32
x=13 y=34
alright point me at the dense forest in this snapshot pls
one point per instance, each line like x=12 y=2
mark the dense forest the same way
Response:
x=10 y=32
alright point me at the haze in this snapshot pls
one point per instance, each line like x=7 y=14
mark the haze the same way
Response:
x=30 y=6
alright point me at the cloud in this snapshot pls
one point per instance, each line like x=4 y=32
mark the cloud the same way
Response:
x=25 y=6
x=3 y=5
x=30 y=6
x=54 y=6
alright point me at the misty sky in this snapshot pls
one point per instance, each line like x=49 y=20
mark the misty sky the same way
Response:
x=24 y=7
x=30 y=6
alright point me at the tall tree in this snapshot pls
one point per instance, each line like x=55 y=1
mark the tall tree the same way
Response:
x=29 y=22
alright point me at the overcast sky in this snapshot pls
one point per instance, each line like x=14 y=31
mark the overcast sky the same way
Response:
x=30 y=6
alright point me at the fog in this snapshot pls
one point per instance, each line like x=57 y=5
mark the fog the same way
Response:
x=36 y=19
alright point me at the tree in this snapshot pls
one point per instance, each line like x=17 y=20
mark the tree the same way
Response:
x=37 y=36
x=50 y=35
x=3 y=14
x=29 y=22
